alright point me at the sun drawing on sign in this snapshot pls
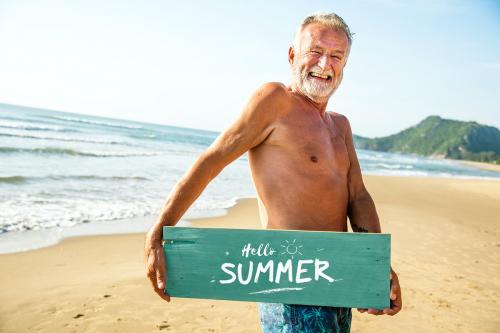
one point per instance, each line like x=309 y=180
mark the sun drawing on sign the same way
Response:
x=291 y=248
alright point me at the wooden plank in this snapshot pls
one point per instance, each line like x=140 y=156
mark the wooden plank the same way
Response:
x=280 y=266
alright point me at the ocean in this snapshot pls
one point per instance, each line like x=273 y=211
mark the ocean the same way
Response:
x=65 y=174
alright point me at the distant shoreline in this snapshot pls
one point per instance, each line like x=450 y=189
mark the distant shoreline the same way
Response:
x=480 y=165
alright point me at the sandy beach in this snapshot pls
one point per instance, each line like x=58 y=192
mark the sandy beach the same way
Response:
x=481 y=165
x=445 y=248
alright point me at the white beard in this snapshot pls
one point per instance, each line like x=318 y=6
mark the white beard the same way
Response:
x=318 y=92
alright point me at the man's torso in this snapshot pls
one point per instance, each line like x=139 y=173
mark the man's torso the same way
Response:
x=301 y=169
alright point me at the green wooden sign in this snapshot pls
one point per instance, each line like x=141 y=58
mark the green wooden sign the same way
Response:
x=279 y=266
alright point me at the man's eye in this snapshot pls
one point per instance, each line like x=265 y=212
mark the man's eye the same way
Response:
x=337 y=57
x=315 y=52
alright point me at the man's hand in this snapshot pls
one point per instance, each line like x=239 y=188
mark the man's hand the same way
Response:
x=155 y=264
x=396 y=301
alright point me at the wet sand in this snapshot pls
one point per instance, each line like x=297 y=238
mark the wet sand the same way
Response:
x=481 y=165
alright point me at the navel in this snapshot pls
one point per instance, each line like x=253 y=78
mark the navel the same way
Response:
x=314 y=159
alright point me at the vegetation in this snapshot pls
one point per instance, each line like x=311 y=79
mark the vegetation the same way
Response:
x=438 y=137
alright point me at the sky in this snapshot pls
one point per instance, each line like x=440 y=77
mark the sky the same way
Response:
x=195 y=63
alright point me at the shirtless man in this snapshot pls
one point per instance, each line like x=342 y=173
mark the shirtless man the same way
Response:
x=303 y=163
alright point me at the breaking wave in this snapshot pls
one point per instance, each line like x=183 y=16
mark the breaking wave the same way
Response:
x=24 y=179
x=61 y=138
x=73 y=152
x=93 y=122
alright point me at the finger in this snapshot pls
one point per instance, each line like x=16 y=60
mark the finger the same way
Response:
x=163 y=294
x=395 y=306
x=390 y=312
x=151 y=273
x=160 y=292
x=375 y=312
x=160 y=275
x=160 y=269
x=392 y=294
x=395 y=289
x=393 y=310
x=160 y=279
x=153 y=278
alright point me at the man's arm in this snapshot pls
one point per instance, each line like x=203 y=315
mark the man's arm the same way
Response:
x=361 y=208
x=364 y=218
x=251 y=128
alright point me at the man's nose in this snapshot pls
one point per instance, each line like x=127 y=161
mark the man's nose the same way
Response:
x=324 y=61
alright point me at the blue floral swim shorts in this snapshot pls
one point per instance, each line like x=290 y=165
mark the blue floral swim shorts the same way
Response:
x=289 y=318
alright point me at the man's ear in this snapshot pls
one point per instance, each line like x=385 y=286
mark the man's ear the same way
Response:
x=347 y=56
x=291 y=54
x=345 y=61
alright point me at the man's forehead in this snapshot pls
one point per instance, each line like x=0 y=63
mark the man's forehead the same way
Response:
x=321 y=34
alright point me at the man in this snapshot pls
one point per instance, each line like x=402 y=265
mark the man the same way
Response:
x=303 y=164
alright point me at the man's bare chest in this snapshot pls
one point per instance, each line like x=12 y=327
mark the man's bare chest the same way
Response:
x=310 y=138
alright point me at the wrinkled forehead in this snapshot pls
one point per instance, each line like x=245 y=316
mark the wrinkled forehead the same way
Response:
x=320 y=35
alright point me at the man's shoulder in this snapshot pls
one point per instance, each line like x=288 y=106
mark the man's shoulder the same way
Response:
x=273 y=90
x=339 y=118
x=341 y=123
x=271 y=97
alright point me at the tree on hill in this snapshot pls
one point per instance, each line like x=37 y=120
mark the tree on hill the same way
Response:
x=435 y=136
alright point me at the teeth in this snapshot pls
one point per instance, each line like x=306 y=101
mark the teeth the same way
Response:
x=320 y=75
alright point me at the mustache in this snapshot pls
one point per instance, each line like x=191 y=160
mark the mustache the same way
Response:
x=317 y=70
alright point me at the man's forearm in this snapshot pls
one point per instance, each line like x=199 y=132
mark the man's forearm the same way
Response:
x=363 y=215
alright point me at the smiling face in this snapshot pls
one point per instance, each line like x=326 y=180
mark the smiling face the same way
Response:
x=318 y=59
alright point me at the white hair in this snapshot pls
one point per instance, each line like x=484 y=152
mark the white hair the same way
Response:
x=330 y=20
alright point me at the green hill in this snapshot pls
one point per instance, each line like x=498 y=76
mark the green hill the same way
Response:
x=438 y=137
